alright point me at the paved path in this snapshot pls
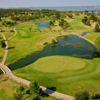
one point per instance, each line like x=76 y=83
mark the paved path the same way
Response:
x=11 y=76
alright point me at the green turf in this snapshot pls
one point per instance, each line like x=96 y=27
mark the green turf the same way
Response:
x=68 y=74
x=65 y=78
x=58 y=64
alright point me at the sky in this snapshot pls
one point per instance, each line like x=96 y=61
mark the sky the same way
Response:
x=47 y=3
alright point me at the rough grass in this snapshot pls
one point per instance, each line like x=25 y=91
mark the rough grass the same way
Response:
x=77 y=25
x=93 y=36
x=7 y=89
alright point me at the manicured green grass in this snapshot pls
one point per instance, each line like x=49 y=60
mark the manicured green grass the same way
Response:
x=67 y=79
x=55 y=64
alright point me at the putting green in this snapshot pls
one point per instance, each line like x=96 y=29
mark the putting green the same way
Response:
x=58 y=64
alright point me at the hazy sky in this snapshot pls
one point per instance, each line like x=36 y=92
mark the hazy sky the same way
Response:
x=42 y=3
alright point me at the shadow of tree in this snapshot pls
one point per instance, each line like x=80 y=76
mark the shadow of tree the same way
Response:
x=11 y=48
x=49 y=91
x=52 y=88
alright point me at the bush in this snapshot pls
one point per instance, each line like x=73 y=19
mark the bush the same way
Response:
x=96 y=97
x=20 y=92
x=53 y=43
x=35 y=88
x=64 y=24
x=86 y=21
x=97 y=28
x=3 y=45
x=37 y=98
x=96 y=54
x=82 y=96
x=18 y=97
x=28 y=91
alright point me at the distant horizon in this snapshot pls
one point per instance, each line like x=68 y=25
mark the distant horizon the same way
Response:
x=47 y=3
x=51 y=6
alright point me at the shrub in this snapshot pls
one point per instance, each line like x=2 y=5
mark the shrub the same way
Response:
x=53 y=43
x=96 y=97
x=82 y=96
x=97 y=28
x=37 y=98
x=86 y=21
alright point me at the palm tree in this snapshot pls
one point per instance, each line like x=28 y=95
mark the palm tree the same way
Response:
x=19 y=95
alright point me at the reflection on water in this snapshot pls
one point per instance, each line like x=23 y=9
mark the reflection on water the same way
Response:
x=66 y=45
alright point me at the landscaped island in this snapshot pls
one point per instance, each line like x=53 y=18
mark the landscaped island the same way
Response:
x=57 y=49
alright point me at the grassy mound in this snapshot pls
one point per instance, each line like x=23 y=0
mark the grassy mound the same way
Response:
x=75 y=75
x=58 y=64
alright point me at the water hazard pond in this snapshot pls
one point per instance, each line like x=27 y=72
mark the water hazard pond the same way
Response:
x=43 y=25
x=66 y=45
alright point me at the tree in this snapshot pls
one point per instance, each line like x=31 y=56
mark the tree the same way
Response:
x=35 y=90
x=37 y=98
x=19 y=95
x=98 y=44
x=3 y=44
x=0 y=19
x=51 y=23
x=93 y=17
x=20 y=90
x=64 y=24
x=86 y=21
x=96 y=97
x=82 y=96
x=70 y=15
x=30 y=29
x=53 y=43
x=8 y=23
x=97 y=27
x=58 y=15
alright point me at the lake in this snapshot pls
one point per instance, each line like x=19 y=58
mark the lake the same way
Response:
x=66 y=46
x=43 y=25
